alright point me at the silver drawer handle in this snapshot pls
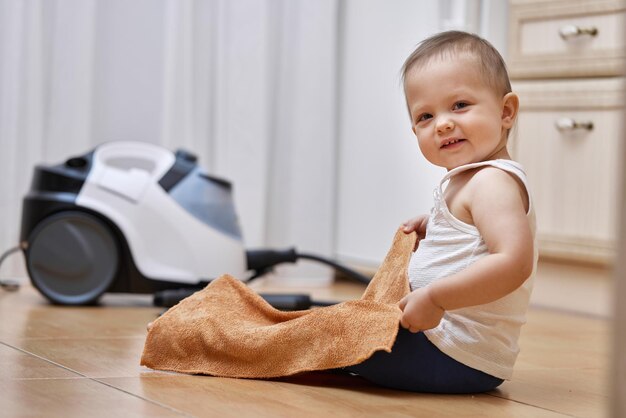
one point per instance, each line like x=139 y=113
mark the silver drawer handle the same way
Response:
x=568 y=124
x=572 y=31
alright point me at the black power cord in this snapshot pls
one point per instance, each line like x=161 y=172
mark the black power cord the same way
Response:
x=9 y=285
x=285 y=302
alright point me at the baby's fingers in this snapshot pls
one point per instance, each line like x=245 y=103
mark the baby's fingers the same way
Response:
x=403 y=319
x=417 y=224
x=410 y=225
x=405 y=324
x=402 y=302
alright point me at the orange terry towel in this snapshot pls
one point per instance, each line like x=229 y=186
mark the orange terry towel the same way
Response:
x=228 y=330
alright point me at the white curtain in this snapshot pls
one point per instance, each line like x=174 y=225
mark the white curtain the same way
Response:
x=247 y=85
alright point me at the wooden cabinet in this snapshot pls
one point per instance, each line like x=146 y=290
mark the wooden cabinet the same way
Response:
x=565 y=63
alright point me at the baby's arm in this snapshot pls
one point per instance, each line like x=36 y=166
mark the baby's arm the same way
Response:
x=498 y=211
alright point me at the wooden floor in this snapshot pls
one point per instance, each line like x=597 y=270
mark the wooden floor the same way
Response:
x=84 y=362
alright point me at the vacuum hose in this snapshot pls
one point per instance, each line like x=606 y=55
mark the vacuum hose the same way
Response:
x=261 y=261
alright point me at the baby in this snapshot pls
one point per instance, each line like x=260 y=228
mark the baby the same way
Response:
x=471 y=273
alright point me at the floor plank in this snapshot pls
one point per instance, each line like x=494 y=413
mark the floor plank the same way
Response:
x=15 y=364
x=32 y=317
x=73 y=398
x=575 y=392
x=557 y=340
x=312 y=395
x=91 y=357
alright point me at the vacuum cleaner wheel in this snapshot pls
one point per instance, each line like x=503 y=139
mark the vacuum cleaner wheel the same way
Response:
x=72 y=257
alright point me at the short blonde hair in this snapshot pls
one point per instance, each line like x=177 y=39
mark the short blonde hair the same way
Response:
x=452 y=43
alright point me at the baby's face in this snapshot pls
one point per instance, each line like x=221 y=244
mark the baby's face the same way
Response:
x=457 y=117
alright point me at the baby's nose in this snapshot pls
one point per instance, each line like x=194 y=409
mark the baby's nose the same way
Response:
x=445 y=126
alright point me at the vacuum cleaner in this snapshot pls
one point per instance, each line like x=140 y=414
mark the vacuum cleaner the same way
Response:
x=133 y=217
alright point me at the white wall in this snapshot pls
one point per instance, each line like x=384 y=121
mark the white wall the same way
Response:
x=129 y=72
x=383 y=179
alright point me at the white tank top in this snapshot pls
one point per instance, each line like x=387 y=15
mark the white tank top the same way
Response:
x=483 y=337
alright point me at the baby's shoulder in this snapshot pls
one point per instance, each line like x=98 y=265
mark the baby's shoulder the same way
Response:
x=494 y=181
x=488 y=175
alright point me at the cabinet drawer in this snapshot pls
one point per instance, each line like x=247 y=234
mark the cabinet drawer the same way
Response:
x=538 y=49
x=573 y=172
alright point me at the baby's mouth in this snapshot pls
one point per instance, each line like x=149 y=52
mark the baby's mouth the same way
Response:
x=451 y=143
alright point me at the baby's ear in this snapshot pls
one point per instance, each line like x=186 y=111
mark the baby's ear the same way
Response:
x=510 y=107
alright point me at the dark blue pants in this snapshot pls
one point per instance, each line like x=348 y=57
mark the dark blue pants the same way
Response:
x=417 y=365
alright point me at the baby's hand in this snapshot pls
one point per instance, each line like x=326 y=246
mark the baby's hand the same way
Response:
x=419 y=312
x=417 y=224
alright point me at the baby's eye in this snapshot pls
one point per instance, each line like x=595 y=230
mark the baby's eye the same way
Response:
x=424 y=117
x=460 y=105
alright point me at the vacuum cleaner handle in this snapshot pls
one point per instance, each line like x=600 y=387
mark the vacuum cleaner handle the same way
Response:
x=283 y=302
x=262 y=261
